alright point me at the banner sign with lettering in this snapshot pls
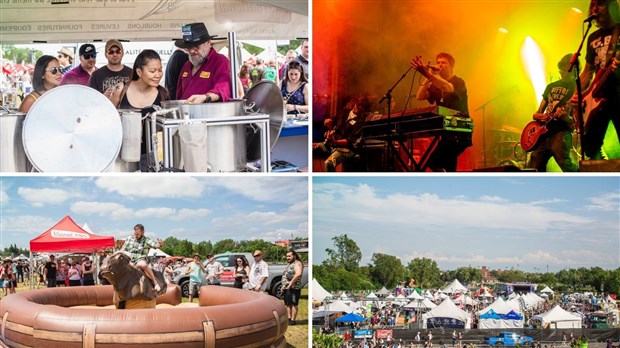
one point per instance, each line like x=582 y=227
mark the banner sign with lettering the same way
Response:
x=445 y=322
x=26 y=21
x=362 y=334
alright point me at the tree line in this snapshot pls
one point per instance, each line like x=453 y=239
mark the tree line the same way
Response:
x=342 y=271
x=182 y=247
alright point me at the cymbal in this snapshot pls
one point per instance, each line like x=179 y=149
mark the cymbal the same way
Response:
x=505 y=128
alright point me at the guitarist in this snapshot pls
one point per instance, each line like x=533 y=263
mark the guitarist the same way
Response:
x=600 y=56
x=558 y=140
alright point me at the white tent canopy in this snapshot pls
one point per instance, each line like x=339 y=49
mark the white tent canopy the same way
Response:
x=546 y=290
x=383 y=291
x=154 y=20
x=558 y=318
x=318 y=291
x=499 y=306
x=421 y=304
x=371 y=296
x=447 y=309
x=415 y=296
x=335 y=307
x=454 y=287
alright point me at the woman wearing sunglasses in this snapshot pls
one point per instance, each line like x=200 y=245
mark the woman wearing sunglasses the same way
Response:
x=47 y=75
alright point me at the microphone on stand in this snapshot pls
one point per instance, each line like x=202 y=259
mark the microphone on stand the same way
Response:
x=590 y=18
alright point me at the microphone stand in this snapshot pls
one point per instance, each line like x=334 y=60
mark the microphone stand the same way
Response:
x=574 y=63
x=390 y=140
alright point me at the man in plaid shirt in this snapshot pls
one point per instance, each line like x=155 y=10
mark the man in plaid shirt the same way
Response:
x=138 y=247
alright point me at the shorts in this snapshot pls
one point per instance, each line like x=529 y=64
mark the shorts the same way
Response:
x=193 y=287
x=291 y=297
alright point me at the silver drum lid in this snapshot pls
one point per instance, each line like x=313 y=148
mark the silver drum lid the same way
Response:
x=267 y=99
x=72 y=128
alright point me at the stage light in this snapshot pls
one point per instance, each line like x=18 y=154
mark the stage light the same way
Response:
x=534 y=62
x=576 y=10
x=503 y=30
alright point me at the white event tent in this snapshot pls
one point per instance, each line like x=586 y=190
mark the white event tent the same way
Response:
x=454 y=287
x=446 y=314
x=318 y=292
x=558 y=318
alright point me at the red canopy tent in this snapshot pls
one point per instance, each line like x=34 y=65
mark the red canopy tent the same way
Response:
x=67 y=237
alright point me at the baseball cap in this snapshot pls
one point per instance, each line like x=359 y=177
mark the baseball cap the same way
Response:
x=113 y=42
x=87 y=48
x=66 y=52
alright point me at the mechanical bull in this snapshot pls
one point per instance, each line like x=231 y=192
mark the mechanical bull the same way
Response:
x=129 y=282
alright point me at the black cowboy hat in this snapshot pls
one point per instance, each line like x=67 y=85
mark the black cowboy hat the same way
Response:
x=194 y=34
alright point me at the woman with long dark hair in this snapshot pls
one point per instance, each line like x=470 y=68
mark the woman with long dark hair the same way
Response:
x=143 y=90
x=46 y=76
x=295 y=91
x=242 y=268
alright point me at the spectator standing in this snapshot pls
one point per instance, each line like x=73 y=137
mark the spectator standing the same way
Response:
x=88 y=272
x=259 y=272
x=291 y=283
x=46 y=76
x=106 y=78
x=295 y=91
x=65 y=58
x=242 y=268
x=290 y=56
x=195 y=277
x=214 y=271
x=74 y=276
x=257 y=74
x=19 y=270
x=49 y=272
x=81 y=74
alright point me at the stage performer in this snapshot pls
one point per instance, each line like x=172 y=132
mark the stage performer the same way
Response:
x=205 y=77
x=556 y=113
x=443 y=88
x=138 y=247
x=344 y=134
x=601 y=55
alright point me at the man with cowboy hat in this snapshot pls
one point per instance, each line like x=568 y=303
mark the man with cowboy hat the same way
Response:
x=205 y=77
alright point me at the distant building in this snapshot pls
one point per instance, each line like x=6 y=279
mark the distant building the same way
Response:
x=487 y=278
x=292 y=244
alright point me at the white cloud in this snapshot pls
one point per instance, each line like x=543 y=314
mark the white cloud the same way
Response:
x=43 y=197
x=4 y=197
x=605 y=202
x=185 y=213
x=269 y=189
x=495 y=199
x=152 y=187
x=108 y=209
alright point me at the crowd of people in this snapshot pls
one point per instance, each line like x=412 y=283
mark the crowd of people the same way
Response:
x=196 y=73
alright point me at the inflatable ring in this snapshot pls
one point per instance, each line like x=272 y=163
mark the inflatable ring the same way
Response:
x=225 y=317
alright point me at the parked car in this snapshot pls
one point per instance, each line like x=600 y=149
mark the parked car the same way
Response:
x=228 y=261
x=508 y=339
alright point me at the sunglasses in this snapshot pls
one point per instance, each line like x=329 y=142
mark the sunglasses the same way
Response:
x=89 y=55
x=114 y=51
x=54 y=70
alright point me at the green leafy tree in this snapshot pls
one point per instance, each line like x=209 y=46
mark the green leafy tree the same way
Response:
x=345 y=253
x=387 y=270
x=204 y=248
x=224 y=245
x=425 y=272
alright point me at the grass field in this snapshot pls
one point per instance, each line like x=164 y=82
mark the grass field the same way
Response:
x=296 y=336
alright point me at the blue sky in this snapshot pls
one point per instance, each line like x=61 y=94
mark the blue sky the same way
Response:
x=185 y=207
x=532 y=223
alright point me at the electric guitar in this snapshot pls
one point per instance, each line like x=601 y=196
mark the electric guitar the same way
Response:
x=534 y=129
x=593 y=96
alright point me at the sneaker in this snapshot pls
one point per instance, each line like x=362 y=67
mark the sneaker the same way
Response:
x=292 y=322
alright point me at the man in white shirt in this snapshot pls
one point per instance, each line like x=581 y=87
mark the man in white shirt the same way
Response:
x=259 y=272
x=214 y=270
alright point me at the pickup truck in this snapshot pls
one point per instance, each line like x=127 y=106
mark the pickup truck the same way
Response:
x=227 y=279
x=508 y=339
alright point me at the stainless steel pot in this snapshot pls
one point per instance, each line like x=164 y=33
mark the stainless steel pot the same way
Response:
x=12 y=155
x=226 y=144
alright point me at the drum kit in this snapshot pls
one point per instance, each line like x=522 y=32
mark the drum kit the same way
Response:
x=76 y=129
